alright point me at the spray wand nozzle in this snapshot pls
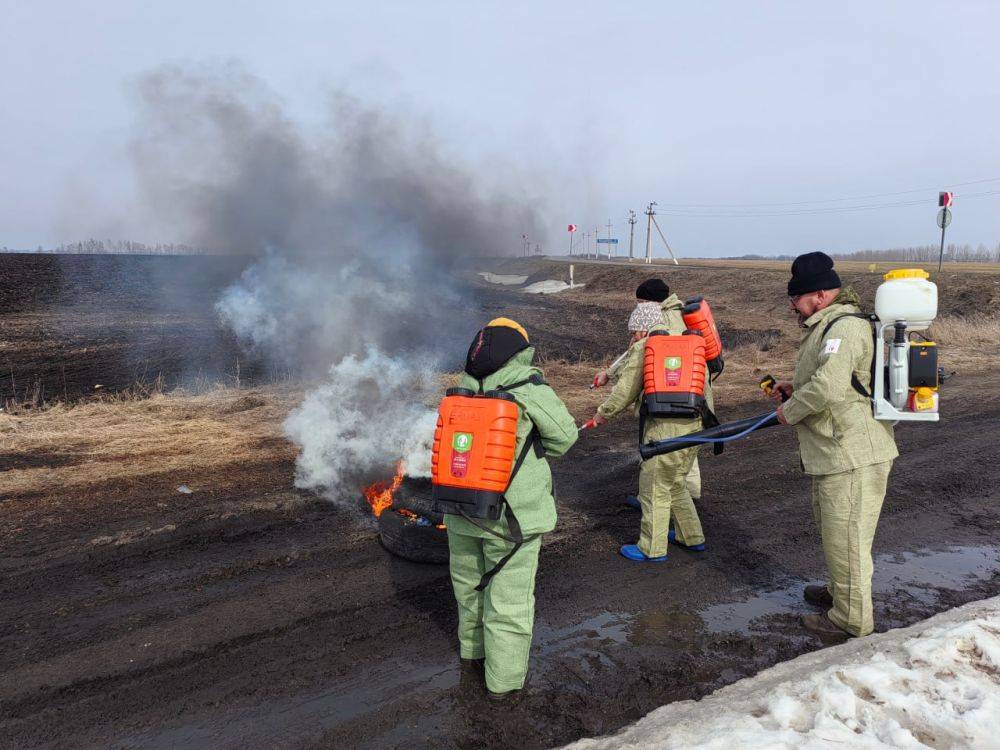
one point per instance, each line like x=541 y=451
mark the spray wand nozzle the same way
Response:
x=768 y=384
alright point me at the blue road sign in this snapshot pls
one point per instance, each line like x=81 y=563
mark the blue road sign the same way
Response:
x=607 y=242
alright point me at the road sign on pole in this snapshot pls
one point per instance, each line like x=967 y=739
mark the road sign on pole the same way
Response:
x=571 y=228
x=945 y=201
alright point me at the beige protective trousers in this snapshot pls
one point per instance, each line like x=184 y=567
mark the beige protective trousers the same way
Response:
x=693 y=479
x=662 y=488
x=847 y=507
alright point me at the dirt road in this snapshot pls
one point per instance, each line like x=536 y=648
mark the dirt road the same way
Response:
x=246 y=614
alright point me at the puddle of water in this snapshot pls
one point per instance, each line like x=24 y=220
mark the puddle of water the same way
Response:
x=918 y=573
x=611 y=626
x=662 y=627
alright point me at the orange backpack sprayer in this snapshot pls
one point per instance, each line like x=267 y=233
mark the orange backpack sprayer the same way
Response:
x=674 y=371
x=474 y=459
x=473 y=455
x=698 y=317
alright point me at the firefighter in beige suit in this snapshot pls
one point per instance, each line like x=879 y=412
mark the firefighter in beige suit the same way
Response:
x=845 y=450
x=651 y=290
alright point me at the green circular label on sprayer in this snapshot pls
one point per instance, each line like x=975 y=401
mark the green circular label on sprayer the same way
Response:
x=461 y=441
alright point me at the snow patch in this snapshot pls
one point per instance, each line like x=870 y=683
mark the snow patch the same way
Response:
x=499 y=278
x=550 y=286
x=934 y=684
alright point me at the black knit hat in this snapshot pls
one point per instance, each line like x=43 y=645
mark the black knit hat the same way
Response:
x=653 y=290
x=492 y=348
x=811 y=273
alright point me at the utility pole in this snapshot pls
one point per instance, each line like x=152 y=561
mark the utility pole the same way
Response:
x=609 y=239
x=669 y=249
x=649 y=229
x=631 y=231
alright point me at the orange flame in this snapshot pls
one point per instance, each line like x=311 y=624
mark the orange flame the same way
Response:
x=379 y=494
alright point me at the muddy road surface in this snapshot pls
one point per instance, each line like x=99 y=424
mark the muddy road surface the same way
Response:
x=289 y=626
x=246 y=614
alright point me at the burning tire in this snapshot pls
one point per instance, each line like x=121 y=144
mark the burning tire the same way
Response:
x=411 y=528
x=412 y=537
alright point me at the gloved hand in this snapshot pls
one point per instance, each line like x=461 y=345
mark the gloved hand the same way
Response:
x=601 y=378
x=782 y=391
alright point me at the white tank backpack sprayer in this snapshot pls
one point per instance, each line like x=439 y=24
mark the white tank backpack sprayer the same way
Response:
x=904 y=388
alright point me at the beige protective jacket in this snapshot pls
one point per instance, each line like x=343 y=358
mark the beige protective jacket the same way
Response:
x=834 y=423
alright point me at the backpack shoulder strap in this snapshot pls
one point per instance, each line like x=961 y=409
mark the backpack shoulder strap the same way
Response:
x=855 y=383
x=864 y=316
x=516 y=536
x=534 y=379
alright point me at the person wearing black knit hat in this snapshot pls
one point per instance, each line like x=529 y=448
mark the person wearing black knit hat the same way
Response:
x=846 y=451
x=652 y=290
x=812 y=272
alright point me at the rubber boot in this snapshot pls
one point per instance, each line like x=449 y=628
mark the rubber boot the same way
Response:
x=632 y=552
x=672 y=537
x=822 y=625
x=819 y=596
x=507 y=695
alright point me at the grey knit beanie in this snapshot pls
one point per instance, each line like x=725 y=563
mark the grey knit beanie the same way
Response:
x=645 y=316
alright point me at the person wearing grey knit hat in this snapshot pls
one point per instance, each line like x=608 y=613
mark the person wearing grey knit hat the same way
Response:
x=643 y=317
x=652 y=293
x=665 y=491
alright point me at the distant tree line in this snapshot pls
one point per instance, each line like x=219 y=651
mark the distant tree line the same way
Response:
x=919 y=254
x=929 y=253
x=114 y=247
x=125 y=247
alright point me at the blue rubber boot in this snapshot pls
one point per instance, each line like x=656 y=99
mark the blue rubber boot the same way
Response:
x=632 y=552
x=633 y=502
x=672 y=537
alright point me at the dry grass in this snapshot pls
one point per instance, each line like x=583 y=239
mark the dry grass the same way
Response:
x=67 y=446
x=968 y=344
x=143 y=432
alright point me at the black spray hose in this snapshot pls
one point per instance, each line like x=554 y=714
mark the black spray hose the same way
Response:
x=722 y=433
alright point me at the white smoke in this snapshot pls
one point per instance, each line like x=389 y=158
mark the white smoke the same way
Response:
x=371 y=409
x=357 y=227
x=310 y=315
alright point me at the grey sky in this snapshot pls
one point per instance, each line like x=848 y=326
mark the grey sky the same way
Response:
x=600 y=106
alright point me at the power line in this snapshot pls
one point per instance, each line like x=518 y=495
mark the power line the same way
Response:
x=813 y=211
x=830 y=200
